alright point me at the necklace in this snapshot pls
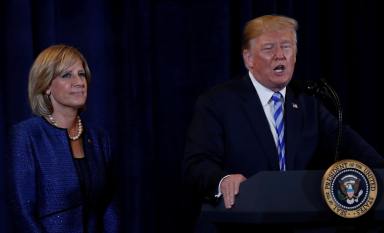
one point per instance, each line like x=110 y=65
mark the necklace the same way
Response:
x=79 y=127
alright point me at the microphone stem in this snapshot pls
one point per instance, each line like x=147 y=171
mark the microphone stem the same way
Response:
x=337 y=103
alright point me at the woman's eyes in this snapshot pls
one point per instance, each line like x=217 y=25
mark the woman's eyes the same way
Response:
x=66 y=75
x=69 y=75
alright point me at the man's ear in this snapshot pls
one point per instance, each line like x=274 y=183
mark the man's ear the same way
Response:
x=247 y=58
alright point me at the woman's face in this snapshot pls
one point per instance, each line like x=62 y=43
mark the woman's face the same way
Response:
x=68 y=90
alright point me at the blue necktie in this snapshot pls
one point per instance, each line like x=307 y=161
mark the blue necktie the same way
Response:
x=278 y=114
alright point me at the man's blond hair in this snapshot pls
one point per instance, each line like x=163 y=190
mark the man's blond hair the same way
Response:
x=266 y=23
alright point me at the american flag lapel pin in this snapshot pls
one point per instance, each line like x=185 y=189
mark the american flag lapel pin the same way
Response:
x=295 y=106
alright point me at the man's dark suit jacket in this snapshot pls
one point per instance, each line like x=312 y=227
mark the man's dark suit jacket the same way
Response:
x=230 y=134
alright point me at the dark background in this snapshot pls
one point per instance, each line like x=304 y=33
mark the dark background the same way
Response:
x=151 y=59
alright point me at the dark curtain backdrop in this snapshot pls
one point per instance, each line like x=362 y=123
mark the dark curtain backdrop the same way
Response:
x=151 y=59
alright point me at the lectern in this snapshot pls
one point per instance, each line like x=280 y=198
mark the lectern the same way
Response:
x=287 y=200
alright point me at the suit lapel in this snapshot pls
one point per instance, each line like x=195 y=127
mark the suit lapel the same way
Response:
x=255 y=113
x=293 y=128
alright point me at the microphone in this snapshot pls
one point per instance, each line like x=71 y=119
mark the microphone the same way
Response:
x=322 y=89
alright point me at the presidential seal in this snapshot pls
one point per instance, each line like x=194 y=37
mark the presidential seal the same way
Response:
x=349 y=188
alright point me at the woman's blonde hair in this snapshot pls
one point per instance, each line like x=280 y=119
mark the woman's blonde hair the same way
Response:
x=50 y=63
x=266 y=23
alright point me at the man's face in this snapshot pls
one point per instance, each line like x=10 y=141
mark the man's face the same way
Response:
x=271 y=58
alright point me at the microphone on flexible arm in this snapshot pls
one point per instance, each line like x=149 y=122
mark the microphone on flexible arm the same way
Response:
x=322 y=89
x=346 y=172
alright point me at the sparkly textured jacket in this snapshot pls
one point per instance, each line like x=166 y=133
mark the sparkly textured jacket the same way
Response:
x=44 y=189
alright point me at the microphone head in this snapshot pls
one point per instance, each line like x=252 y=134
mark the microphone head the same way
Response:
x=310 y=87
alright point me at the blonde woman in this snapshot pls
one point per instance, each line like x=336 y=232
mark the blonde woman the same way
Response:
x=60 y=170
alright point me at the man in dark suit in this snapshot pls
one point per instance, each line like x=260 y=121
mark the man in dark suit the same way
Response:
x=239 y=129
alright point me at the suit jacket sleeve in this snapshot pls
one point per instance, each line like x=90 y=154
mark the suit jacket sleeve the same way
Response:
x=203 y=162
x=22 y=182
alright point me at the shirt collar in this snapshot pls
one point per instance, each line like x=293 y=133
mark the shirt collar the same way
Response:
x=264 y=93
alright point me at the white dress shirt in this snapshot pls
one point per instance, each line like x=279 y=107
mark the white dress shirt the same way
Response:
x=265 y=95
